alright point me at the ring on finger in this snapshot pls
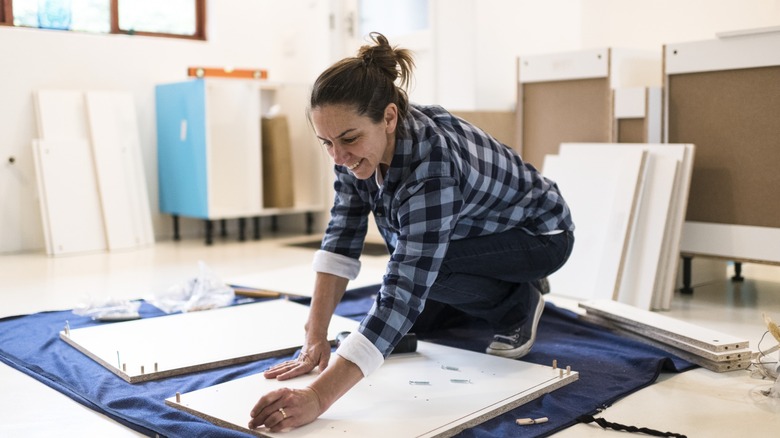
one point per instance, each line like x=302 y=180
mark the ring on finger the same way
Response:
x=284 y=414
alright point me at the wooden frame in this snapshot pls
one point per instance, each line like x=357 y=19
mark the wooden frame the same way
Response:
x=6 y=17
x=200 y=23
x=722 y=95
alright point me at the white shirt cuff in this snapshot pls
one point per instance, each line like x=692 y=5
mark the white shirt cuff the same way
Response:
x=357 y=349
x=336 y=264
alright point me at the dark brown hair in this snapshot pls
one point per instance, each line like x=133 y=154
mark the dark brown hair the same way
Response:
x=367 y=81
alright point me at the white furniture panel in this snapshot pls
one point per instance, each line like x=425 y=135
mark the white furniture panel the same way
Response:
x=387 y=403
x=155 y=348
x=119 y=166
x=70 y=205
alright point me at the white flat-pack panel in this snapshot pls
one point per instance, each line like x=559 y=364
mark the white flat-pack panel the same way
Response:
x=234 y=154
x=702 y=337
x=748 y=51
x=385 y=404
x=736 y=242
x=670 y=250
x=155 y=348
x=601 y=189
x=643 y=260
x=299 y=280
x=61 y=115
x=120 y=174
x=584 y=64
x=70 y=206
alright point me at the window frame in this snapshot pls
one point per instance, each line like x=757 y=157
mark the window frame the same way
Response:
x=6 y=18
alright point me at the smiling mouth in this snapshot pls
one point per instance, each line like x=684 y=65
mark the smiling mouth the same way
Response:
x=355 y=165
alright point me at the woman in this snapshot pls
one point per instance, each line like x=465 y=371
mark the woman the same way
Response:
x=467 y=222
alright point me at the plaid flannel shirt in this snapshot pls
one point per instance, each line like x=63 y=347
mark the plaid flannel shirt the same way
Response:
x=448 y=180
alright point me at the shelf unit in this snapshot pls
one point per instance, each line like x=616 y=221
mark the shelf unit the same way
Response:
x=210 y=151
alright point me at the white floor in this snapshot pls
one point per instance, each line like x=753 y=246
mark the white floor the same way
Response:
x=695 y=403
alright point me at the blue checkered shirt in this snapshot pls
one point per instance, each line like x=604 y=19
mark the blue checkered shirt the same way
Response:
x=448 y=180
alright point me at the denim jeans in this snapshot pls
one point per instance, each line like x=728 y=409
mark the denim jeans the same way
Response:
x=489 y=277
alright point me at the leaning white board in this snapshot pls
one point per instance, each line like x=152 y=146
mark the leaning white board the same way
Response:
x=463 y=389
x=155 y=348
x=654 y=217
x=116 y=148
x=70 y=206
x=299 y=280
x=601 y=190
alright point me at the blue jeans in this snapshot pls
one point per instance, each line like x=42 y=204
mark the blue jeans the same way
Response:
x=488 y=277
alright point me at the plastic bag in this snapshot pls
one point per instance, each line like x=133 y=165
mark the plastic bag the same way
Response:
x=206 y=291
x=109 y=309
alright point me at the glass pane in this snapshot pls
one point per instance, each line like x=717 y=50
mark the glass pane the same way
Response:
x=91 y=15
x=81 y=15
x=399 y=17
x=170 y=16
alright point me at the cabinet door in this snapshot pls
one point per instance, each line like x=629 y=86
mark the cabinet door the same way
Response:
x=181 y=149
x=233 y=148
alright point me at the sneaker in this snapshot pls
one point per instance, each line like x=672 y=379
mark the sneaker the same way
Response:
x=543 y=285
x=518 y=342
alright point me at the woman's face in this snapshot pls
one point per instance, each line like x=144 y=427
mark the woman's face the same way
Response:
x=354 y=141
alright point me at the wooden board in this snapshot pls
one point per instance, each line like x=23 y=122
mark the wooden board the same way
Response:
x=299 y=280
x=701 y=337
x=116 y=150
x=602 y=198
x=155 y=348
x=70 y=206
x=386 y=405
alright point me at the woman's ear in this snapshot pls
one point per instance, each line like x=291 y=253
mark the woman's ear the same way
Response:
x=391 y=117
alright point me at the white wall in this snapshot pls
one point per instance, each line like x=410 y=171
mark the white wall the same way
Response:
x=288 y=38
x=476 y=43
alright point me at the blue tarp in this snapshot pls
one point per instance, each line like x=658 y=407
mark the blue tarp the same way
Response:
x=610 y=367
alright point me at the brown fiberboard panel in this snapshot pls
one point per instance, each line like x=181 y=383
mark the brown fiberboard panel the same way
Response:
x=732 y=118
x=555 y=112
x=631 y=130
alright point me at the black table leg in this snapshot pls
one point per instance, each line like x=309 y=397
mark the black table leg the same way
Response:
x=256 y=224
x=241 y=229
x=209 y=231
x=176 y=235
x=687 y=289
x=737 y=273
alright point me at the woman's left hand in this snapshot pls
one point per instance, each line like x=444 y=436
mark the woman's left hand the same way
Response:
x=285 y=408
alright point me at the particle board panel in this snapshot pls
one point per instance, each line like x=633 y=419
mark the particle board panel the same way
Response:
x=563 y=111
x=386 y=404
x=711 y=340
x=70 y=205
x=499 y=124
x=734 y=242
x=718 y=366
x=117 y=153
x=731 y=116
x=631 y=130
x=655 y=216
x=602 y=199
x=299 y=280
x=743 y=354
x=156 y=348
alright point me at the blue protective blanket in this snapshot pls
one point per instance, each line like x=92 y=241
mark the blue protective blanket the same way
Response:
x=610 y=367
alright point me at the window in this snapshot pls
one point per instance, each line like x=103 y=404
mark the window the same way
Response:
x=172 y=18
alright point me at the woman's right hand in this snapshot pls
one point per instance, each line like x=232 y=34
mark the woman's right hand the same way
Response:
x=313 y=353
